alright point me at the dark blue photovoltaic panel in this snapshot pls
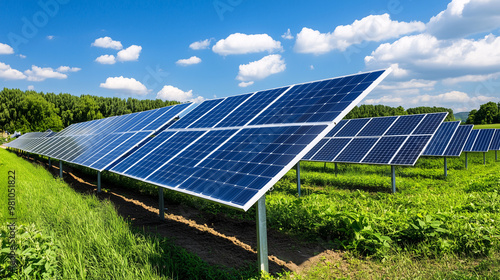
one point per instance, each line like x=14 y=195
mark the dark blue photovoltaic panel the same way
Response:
x=121 y=148
x=410 y=152
x=404 y=125
x=457 y=143
x=471 y=140
x=84 y=153
x=317 y=101
x=243 y=114
x=167 y=116
x=196 y=113
x=98 y=152
x=161 y=154
x=336 y=128
x=483 y=140
x=223 y=109
x=139 y=154
x=331 y=149
x=356 y=150
x=431 y=123
x=377 y=126
x=384 y=150
x=316 y=148
x=441 y=139
x=181 y=167
x=495 y=142
x=352 y=128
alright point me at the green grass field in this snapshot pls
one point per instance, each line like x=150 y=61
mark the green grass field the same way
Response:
x=432 y=228
x=483 y=126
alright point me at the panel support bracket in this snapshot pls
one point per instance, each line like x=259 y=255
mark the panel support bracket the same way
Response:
x=161 y=204
x=445 y=167
x=98 y=181
x=60 y=169
x=393 y=177
x=262 y=253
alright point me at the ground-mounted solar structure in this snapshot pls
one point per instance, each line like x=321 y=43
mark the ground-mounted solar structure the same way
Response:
x=396 y=140
x=449 y=141
x=229 y=150
x=478 y=142
x=495 y=143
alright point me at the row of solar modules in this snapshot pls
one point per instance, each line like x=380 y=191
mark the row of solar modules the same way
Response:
x=230 y=150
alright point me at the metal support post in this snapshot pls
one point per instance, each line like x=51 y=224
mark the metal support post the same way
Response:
x=298 y=177
x=324 y=167
x=60 y=169
x=161 y=204
x=466 y=161
x=262 y=255
x=484 y=158
x=98 y=181
x=336 y=170
x=50 y=162
x=393 y=171
x=445 y=167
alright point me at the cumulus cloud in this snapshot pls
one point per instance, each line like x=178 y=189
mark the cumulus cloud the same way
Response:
x=427 y=57
x=261 y=69
x=38 y=74
x=6 y=49
x=239 y=43
x=8 y=73
x=50 y=37
x=188 y=61
x=31 y=87
x=129 y=54
x=413 y=83
x=465 y=17
x=127 y=85
x=200 y=45
x=21 y=56
x=172 y=93
x=108 y=43
x=106 y=59
x=245 y=84
x=371 y=28
x=287 y=35
x=68 y=69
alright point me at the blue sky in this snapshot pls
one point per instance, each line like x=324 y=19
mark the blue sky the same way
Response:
x=443 y=53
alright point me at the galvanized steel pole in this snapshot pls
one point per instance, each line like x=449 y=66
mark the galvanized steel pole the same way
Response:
x=262 y=254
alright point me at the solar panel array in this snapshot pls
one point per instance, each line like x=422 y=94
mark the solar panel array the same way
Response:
x=385 y=140
x=495 y=142
x=232 y=150
x=479 y=140
x=99 y=143
x=458 y=141
x=440 y=141
x=28 y=141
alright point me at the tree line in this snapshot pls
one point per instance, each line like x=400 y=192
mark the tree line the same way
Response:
x=371 y=111
x=488 y=113
x=28 y=111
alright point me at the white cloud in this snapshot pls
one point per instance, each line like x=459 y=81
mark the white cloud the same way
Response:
x=176 y=94
x=108 y=43
x=50 y=37
x=68 y=69
x=188 y=61
x=38 y=74
x=106 y=59
x=7 y=73
x=287 y=35
x=424 y=56
x=238 y=43
x=245 y=84
x=21 y=56
x=371 y=28
x=6 y=49
x=129 y=54
x=200 y=45
x=386 y=99
x=413 y=83
x=465 y=17
x=471 y=78
x=261 y=69
x=127 y=85
x=31 y=87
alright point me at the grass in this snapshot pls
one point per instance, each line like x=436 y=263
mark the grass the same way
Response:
x=432 y=228
x=77 y=236
x=483 y=126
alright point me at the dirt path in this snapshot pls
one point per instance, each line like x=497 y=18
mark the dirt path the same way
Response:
x=216 y=239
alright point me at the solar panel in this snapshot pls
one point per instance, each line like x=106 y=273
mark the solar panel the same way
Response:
x=232 y=150
x=471 y=140
x=439 y=143
x=396 y=140
x=27 y=141
x=483 y=140
x=457 y=143
x=495 y=142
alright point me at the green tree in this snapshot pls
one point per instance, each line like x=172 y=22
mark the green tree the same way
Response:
x=487 y=113
x=471 y=117
x=39 y=115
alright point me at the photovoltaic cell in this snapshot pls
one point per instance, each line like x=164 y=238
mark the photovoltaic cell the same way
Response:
x=471 y=140
x=384 y=150
x=411 y=149
x=495 y=142
x=377 y=126
x=405 y=125
x=438 y=144
x=483 y=140
x=356 y=150
x=457 y=143
x=337 y=128
x=352 y=128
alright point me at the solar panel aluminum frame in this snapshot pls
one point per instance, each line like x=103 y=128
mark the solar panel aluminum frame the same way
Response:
x=329 y=126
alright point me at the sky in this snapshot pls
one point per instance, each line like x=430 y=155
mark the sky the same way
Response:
x=443 y=53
